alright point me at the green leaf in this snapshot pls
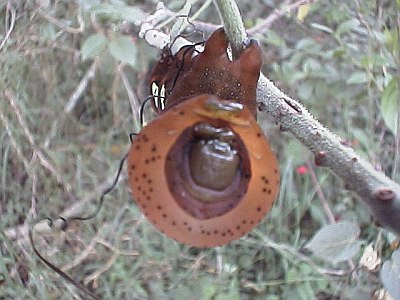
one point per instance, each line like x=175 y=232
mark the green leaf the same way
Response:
x=369 y=61
x=311 y=66
x=390 y=105
x=360 y=292
x=336 y=242
x=305 y=91
x=305 y=291
x=296 y=152
x=392 y=40
x=104 y=9
x=88 y=4
x=357 y=78
x=132 y=14
x=208 y=289
x=309 y=46
x=274 y=39
x=119 y=12
x=390 y=275
x=347 y=26
x=302 y=12
x=124 y=50
x=93 y=46
x=305 y=43
x=48 y=32
x=232 y=295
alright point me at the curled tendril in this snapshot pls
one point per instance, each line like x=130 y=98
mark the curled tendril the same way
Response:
x=186 y=51
x=142 y=107
x=131 y=136
x=65 y=223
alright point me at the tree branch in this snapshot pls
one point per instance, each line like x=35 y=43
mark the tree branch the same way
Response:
x=377 y=191
x=278 y=13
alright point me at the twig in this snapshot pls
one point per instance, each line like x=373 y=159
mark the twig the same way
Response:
x=377 y=191
x=321 y=196
x=10 y=23
x=73 y=100
x=148 y=31
x=95 y=275
x=81 y=88
x=83 y=254
x=76 y=209
x=32 y=213
x=219 y=261
x=14 y=143
x=89 y=249
x=59 y=24
x=115 y=249
x=278 y=13
x=42 y=157
x=133 y=98
x=325 y=207
x=284 y=248
x=198 y=262
x=234 y=29
x=397 y=134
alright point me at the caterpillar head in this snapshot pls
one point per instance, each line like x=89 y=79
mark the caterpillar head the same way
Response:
x=181 y=76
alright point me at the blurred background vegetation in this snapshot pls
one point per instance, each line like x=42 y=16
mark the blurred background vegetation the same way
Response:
x=72 y=76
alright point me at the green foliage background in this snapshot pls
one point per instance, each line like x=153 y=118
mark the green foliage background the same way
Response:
x=342 y=61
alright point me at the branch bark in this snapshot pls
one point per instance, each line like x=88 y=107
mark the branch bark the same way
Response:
x=377 y=191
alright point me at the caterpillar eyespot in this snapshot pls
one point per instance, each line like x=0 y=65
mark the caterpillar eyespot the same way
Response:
x=158 y=94
x=202 y=181
x=167 y=73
